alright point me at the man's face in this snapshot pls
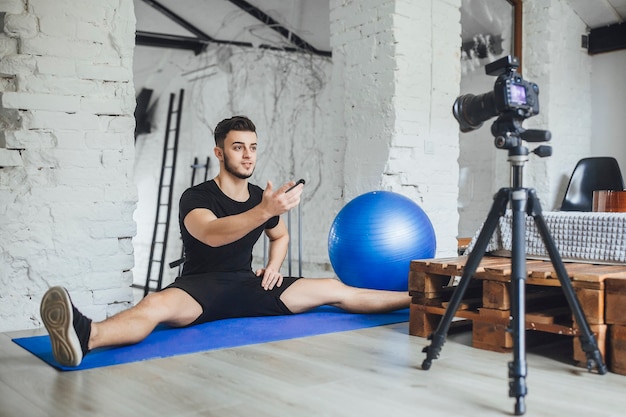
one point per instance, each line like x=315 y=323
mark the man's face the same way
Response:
x=240 y=153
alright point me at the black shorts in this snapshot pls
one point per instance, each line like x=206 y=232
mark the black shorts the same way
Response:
x=233 y=294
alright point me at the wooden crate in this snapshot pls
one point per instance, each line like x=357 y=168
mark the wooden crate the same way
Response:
x=601 y=334
x=616 y=301
x=617 y=363
x=487 y=302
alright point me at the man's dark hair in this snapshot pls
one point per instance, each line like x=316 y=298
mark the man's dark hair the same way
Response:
x=241 y=123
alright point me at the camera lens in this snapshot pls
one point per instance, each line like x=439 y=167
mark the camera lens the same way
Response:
x=471 y=111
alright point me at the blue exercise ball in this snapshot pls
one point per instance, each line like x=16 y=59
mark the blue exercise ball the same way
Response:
x=374 y=238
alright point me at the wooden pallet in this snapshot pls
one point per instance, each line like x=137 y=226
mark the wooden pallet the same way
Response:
x=487 y=301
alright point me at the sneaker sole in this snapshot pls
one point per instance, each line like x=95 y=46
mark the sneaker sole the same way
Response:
x=57 y=315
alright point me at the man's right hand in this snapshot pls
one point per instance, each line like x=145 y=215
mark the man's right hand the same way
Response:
x=279 y=201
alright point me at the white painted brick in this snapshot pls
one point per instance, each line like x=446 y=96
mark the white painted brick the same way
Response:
x=107 y=140
x=40 y=158
x=117 y=124
x=10 y=158
x=108 y=56
x=12 y=6
x=359 y=19
x=343 y=38
x=65 y=194
x=16 y=64
x=121 y=193
x=97 y=211
x=8 y=46
x=90 y=31
x=33 y=101
x=66 y=86
x=23 y=26
x=78 y=158
x=116 y=295
x=125 y=245
x=30 y=213
x=56 y=66
x=11 y=118
x=66 y=48
x=58 y=27
x=103 y=72
x=116 y=308
x=127 y=278
x=40 y=119
x=120 y=261
x=105 y=106
x=114 y=159
x=68 y=139
x=88 y=11
x=21 y=139
x=378 y=27
x=88 y=176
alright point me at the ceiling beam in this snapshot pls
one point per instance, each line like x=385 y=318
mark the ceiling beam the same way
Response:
x=273 y=24
x=176 y=18
x=607 y=38
x=162 y=40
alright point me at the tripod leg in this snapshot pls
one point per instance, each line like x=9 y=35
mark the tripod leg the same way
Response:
x=587 y=339
x=438 y=338
x=518 y=367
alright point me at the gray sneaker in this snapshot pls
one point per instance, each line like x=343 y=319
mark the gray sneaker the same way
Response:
x=68 y=328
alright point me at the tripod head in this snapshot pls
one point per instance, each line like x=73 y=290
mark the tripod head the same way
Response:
x=509 y=134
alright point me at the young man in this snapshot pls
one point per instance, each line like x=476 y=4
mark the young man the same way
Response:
x=220 y=221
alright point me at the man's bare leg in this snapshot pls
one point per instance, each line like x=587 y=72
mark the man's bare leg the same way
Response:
x=72 y=334
x=308 y=293
x=172 y=306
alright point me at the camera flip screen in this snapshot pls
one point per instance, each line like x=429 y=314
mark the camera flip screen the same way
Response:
x=517 y=94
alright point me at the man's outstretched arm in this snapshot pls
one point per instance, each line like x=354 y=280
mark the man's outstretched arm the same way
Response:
x=213 y=231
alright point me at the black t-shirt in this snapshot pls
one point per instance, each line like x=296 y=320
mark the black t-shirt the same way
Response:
x=237 y=256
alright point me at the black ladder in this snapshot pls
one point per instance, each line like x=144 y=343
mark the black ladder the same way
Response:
x=160 y=233
x=194 y=168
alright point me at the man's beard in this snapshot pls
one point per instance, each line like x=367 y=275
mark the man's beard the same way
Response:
x=232 y=171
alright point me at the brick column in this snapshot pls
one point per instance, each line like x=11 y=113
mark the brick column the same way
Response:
x=67 y=195
x=396 y=74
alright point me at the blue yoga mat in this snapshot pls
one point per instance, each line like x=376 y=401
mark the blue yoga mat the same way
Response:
x=164 y=341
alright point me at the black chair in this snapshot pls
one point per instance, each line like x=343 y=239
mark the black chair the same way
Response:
x=590 y=174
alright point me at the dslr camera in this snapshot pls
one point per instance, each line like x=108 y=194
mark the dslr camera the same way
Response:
x=512 y=97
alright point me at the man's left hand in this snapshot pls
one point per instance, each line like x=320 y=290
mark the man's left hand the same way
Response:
x=270 y=279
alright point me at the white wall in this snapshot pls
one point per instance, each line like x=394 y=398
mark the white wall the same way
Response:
x=554 y=59
x=608 y=106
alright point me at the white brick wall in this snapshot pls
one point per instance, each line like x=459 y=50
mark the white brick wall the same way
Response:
x=67 y=150
x=399 y=72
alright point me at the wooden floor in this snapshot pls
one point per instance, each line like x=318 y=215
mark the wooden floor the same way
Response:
x=369 y=372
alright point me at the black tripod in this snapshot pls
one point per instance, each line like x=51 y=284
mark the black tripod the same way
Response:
x=523 y=202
